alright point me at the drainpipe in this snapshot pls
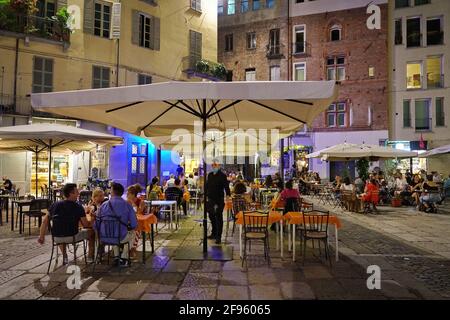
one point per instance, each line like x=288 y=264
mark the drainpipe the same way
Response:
x=117 y=62
x=15 y=75
x=289 y=39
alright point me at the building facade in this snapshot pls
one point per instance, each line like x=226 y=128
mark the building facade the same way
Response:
x=321 y=40
x=113 y=43
x=419 y=69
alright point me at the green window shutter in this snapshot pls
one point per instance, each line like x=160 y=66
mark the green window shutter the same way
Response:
x=135 y=27
x=440 y=115
x=198 y=43
x=155 y=33
x=61 y=4
x=406 y=113
x=89 y=16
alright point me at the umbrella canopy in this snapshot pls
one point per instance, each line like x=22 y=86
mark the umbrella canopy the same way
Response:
x=156 y=109
x=61 y=136
x=436 y=152
x=52 y=137
x=347 y=151
x=218 y=143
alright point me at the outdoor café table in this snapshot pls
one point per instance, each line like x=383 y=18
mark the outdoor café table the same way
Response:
x=145 y=226
x=294 y=218
x=172 y=204
x=274 y=217
x=20 y=205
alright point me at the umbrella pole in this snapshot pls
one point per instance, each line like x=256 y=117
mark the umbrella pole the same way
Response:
x=205 y=218
x=36 y=168
x=50 y=164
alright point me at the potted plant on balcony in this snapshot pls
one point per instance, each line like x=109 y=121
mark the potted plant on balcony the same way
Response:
x=202 y=66
x=219 y=71
x=23 y=10
x=62 y=21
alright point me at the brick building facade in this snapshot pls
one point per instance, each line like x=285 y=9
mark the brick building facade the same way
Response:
x=321 y=40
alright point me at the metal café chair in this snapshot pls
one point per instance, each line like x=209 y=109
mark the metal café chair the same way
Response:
x=255 y=225
x=315 y=227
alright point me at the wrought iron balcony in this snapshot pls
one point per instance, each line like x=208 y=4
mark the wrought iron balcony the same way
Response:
x=195 y=66
x=40 y=27
x=274 y=51
x=301 y=49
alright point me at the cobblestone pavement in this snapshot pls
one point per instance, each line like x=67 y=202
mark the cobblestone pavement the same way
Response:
x=409 y=247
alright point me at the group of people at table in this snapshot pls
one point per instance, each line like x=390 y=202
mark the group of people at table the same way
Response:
x=421 y=190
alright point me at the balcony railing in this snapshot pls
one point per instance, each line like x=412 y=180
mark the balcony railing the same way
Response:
x=301 y=49
x=435 y=81
x=41 y=27
x=195 y=66
x=423 y=124
x=274 y=51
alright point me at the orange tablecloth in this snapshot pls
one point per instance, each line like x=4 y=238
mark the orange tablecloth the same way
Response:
x=145 y=222
x=277 y=204
x=297 y=218
x=274 y=216
x=229 y=205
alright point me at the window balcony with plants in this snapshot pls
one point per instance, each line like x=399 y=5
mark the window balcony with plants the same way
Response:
x=197 y=67
x=21 y=18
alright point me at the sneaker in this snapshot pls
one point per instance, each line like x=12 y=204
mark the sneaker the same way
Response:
x=124 y=263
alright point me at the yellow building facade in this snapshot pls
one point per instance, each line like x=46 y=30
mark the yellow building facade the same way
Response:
x=113 y=43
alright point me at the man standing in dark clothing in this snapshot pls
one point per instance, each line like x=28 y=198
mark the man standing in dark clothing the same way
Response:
x=216 y=185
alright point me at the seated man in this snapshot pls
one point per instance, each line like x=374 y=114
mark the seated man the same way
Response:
x=430 y=195
x=66 y=216
x=117 y=207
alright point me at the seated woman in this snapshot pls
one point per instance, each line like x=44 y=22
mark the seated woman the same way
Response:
x=337 y=186
x=415 y=187
x=290 y=197
x=154 y=191
x=430 y=194
x=371 y=193
x=98 y=197
x=347 y=185
x=138 y=206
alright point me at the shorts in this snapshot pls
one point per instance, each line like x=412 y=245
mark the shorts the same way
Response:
x=81 y=235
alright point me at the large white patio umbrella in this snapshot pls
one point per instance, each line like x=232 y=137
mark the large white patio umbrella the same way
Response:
x=156 y=109
x=348 y=151
x=52 y=137
x=436 y=152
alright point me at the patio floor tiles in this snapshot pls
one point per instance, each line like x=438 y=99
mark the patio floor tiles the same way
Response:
x=261 y=276
x=156 y=296
x=233 y=293
x=193 y=293
x=265 y=292
x=328 y=289
x=6 y=275
x=206 y=266
x=156 y=262
x=60 y=292
x=129 y=290
x=105 y=284
x=233 y=278
x=177 y=266
x=316 y=272
x=296 y=290
x=18 y=283
x=201 y=279
x=169 y=278
x=34 y=291
x=91 y=295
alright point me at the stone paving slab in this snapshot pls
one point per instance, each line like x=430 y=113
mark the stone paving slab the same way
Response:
x=297 y=290
x=192 y=293
x=265 y=292
x=233 y=293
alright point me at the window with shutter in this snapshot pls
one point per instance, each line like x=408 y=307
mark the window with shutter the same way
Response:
x=61 y=4
x=100 y=77
x=102 y=19
x=42 y=75
x=196 y=5
x=88 y=16
x=144 y=79
x=195 y=46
